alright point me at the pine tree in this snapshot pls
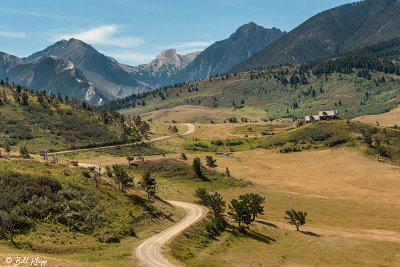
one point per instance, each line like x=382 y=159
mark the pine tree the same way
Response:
x=149 y=185
x=197 y=167
x=296 y=218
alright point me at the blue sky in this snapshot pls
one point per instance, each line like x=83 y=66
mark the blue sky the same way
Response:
x=135 y=31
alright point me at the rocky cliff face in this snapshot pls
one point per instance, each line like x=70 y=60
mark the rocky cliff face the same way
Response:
x=106 y=74
x=162 y=69
x=52 y=74
x=222 y=55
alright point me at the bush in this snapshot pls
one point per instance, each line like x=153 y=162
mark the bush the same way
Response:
x=217 y=143
x=290 y=149
x=24 y=153
x=299 y=123
x=234 y=143
x=86 y=174
x=336 y=142
x=27 y=199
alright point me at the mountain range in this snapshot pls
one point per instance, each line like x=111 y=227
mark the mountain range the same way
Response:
x=106 y=74
x=96 y=78
x=335 y=31
x=74 y=68
x=222 y=55
x=51 y=74
x=162 y=69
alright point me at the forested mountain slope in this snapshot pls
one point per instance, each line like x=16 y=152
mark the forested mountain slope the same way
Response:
x=222 y=55
x=330 y=33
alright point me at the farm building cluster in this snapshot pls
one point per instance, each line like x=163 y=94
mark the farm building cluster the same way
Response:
x=322 y=116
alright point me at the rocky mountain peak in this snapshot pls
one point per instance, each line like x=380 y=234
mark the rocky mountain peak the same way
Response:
x=168 y=57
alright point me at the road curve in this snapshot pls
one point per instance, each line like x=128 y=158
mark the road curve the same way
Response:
x=190 y=130
x=150 y=251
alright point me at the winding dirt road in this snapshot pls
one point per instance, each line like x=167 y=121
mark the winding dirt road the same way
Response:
x=191 y=128
x=150 y=251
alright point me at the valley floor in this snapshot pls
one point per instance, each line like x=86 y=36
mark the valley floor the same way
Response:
x=353 y=206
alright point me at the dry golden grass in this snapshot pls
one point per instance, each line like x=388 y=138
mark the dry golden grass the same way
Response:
x=390 y=118
x=353 y=204
x=192 y=114
x=234 y=130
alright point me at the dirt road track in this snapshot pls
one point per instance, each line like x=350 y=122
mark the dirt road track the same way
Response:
x=150 y=251
x=190 y=130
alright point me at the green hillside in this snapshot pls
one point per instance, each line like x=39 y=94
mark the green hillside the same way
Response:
x=354 y=85
x=41 y=121
x=56 y=209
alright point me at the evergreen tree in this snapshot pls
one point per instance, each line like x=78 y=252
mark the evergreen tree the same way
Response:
x=210 y=162
x=296 y=218
x=197 y=167
x=240 y=211
x=149 y=185
x=255 y=203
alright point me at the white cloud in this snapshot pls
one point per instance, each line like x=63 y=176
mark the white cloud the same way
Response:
x=13 y=34
x=103 y=35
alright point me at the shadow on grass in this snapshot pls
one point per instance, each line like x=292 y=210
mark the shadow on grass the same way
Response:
x=142 y=202
x=268 y=224
x=204 y=178
x=259 y=237
x=252 y=234
x=310 y=233
x=163 y=201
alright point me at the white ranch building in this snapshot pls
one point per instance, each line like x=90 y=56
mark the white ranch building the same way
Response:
x=322 y=116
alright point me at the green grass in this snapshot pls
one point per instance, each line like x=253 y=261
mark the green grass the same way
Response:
x=228 y=145
x=328 y=134
x=139 y=149
x=176 y=179
x=258 y=129
x=56 y=210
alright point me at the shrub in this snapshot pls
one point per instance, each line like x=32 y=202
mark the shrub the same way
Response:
x=336 y=142
x=27 y=199
x=290 y=149
x=24 y=153
x=86 y=174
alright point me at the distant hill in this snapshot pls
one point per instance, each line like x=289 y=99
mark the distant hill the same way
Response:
x=353 y=85
x=162 y=69
x=222 y=55
x=330 y=33
x=51 y=74
x=105 y=74
x=42 y=121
